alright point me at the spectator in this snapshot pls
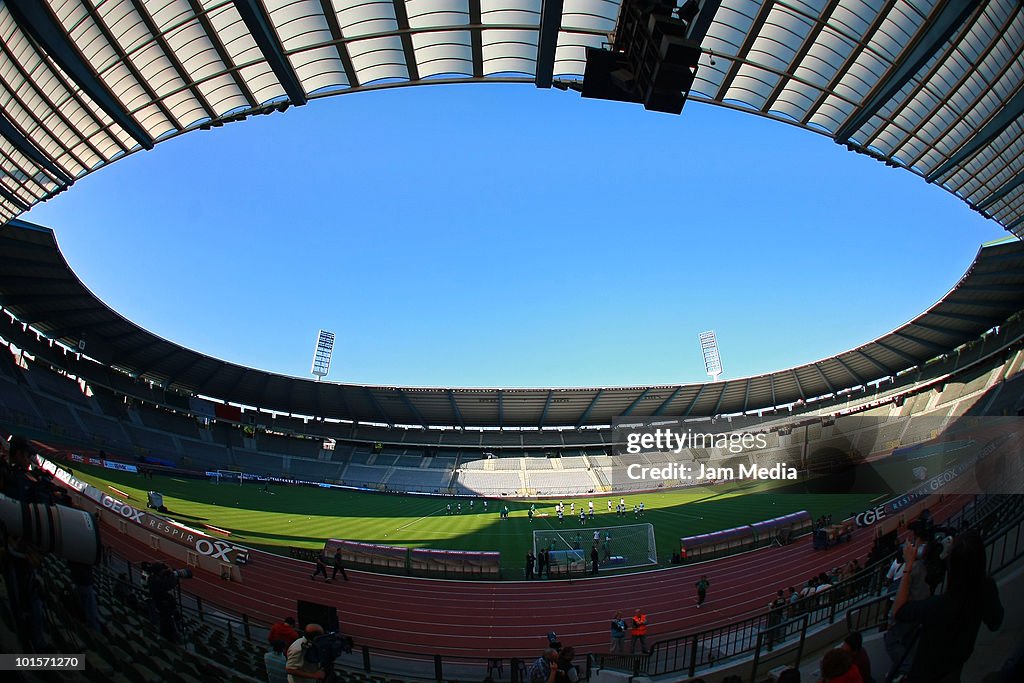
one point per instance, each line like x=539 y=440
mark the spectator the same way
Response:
x=854 y=644
x=594 y=559
x=567 y=671
x=837 y=667
x=276 y=664
x=950 y=622
x=545 y=668
x=776 y=612
x=790 y=675
x=283 y=632
x=82 y=580
x=618 y=629
x=297 y=667
x=639 y=631
x=530 y=559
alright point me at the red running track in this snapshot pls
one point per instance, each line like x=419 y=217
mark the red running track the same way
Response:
x=510 y=618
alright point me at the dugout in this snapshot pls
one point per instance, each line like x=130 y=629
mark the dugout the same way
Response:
x=368 y=555
x=782 y=530
x=567 y=562
x=715 y=544
x=481 y=564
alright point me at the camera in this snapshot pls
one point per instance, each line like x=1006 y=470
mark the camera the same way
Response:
x=326 y=648
x=553 y=641
x=67 y=532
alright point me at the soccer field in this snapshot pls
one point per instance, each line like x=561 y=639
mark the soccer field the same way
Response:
x=305 y=516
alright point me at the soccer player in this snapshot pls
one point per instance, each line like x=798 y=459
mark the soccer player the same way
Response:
x=590 y=507
x=641 y=508
x=583 y=517
x=449 y=508
x=609 y=506
x=458 y=510
x=572 y=508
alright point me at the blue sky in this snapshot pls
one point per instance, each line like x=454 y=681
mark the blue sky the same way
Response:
x=502 y=235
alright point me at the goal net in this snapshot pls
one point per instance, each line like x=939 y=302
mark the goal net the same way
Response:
x=227 y=477
x=618 y=547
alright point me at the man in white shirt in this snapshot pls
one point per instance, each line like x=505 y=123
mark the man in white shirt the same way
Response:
x=298 y=668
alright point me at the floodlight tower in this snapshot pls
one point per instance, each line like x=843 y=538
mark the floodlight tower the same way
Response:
x=712 y=361
x=322 y=354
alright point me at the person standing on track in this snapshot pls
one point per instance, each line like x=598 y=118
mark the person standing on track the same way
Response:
x=618 y=629
x=321 y=567
x=338 y=567
x=638 y=633
x=702 y=589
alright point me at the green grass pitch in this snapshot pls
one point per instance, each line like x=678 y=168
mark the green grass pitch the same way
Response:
x=304 y=516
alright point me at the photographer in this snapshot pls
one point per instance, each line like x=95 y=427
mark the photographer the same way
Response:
x=162 y=580
x=298 y=665
x=18 y=556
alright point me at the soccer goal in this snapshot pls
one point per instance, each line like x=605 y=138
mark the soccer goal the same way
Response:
x=618 y=547
x=227 y=477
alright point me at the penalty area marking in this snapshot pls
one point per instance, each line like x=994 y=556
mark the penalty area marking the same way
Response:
x=415 y=521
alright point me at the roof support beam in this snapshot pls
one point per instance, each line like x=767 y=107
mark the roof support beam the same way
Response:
x=590 y=408
x=937 y=32
x=771 y=383
x=412 y=408
x=13 y=199
x=35 y=19
x=27 y=149
x=547 y=406
x=172 y=57
x=907 y=357
x=746 y=395
x=338 y=38
x=1012 y=227
x=501 y=409
x=744 y=51
x=993 y=129
x=1005 y=189
x=850 y=371
x=222 y=53
x=455 y=408
x=963 y=317
x=476 y=38
x=636 y=401
x=258 y=23
x=380 y=409
x=550 y=23
x=402 y=17
x=933 y=328
x=799 y=388
x=809 y=40
x=667 y=402
x=700 y=391
x=718 y=404
x=922 y=342
x=823 y=377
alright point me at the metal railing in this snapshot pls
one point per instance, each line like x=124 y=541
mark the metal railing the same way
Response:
x=861 y=597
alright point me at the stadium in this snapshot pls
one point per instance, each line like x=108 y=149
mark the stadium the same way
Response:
x=440 y=500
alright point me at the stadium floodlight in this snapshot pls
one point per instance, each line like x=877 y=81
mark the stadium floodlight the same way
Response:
x=322 y=354
x=712 y=361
